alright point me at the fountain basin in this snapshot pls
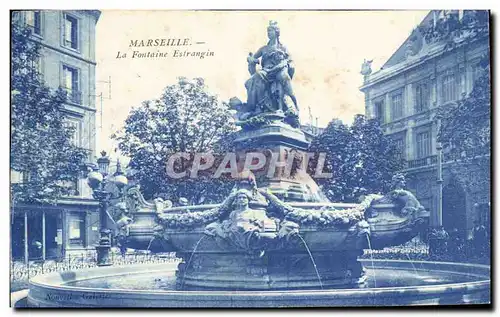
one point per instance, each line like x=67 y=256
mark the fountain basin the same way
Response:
x=389 y=283
x=312 y=256
x=386 y=230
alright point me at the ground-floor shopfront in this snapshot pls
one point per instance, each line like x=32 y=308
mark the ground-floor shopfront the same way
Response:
x=40 y=232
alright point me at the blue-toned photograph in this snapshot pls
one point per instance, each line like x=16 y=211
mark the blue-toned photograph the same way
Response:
x=250 y=159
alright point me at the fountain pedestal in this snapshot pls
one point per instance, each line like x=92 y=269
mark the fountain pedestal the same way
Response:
x=281 y=144
x=275 y=236
x=272 y=270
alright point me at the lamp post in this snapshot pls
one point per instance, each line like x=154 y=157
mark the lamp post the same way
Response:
x=438 y=236
x=439 y=182
x=98 y=180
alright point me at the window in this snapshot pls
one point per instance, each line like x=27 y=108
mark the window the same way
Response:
x=70 y=32
x=76 y=230
x=422 y=94
x=484 y=215
x=17 y=17
x=477 y=70
x=37 y=68
x=379 y=111
x=34 y=20
x=423 y=144
x=449 y=88
x=71 y=84
x=75 y=138
x=15 y=177
x=25 y=176
x=397 y=106
x=73 y=187
x=400 y=147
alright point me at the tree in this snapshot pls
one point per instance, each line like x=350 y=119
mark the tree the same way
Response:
x=334 y=142
x=361 y=158
x=465 y=132
x=465 y=127
x=450 y=29
x=41 y=147
x=185 y=119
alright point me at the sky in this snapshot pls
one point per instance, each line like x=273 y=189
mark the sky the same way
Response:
x=327 y=47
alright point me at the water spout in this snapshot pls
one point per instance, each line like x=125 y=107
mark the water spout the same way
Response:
x=371 y=257
x=312 y=260
x=150 y=241
x=189 y=261
x=411 y=262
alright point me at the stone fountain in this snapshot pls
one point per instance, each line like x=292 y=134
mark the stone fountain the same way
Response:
x=281 y=234
x=256 y=241
x=274 y=232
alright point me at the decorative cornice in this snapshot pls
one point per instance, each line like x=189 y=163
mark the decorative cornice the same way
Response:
x=62 y=205
x=65 y=52
x=417 y=61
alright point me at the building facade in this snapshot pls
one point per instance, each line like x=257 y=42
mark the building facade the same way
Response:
x=67 y=61
x=427 y=73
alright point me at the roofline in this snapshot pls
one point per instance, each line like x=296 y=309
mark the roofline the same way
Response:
x=416 y=63
x=96 y=14
x=406 y=39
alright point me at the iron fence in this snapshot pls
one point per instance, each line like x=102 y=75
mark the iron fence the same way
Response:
x=21 y=272
x=403 y=252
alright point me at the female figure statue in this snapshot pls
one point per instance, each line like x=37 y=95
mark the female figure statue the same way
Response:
x=245 y=227
x=270 y=88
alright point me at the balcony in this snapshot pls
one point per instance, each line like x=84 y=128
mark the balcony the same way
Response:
x=73 y=96
x=424 y=161
x=447 y=158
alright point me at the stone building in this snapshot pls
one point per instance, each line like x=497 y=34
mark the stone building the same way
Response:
x=425 y=73
x=68 y=61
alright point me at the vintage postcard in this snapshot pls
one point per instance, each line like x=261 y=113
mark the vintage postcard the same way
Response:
x=250 y=159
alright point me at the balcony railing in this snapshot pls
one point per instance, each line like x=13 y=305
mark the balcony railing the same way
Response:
x=424 y=161
x=470 y=154
x=74 y=96
x=447 y=157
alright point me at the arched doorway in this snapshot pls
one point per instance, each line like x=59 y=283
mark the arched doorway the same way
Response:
x=454 y=208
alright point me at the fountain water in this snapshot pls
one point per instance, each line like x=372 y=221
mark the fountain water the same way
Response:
x=371 y=258
x=150 y=241
x=189 y=262
x=413 y=265
x=312 y=260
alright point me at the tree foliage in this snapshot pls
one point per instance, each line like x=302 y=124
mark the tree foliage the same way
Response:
x=465 y=132
x=187 y=119
x=466 y=127
x=451 y=29
x=41 y=145
x=361 y=158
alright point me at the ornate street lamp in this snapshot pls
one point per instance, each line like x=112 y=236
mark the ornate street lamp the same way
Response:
x=103 y=163
x=98 y=180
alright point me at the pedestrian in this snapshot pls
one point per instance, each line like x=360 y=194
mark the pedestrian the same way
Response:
x=455 y=244
x=479 y=239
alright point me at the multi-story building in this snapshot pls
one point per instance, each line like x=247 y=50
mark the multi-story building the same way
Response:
x=68 y=61
x=426 y=73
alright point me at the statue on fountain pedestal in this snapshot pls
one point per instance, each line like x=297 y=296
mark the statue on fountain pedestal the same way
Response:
x=245 y=227
x=269 y=89
x=122 y=227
